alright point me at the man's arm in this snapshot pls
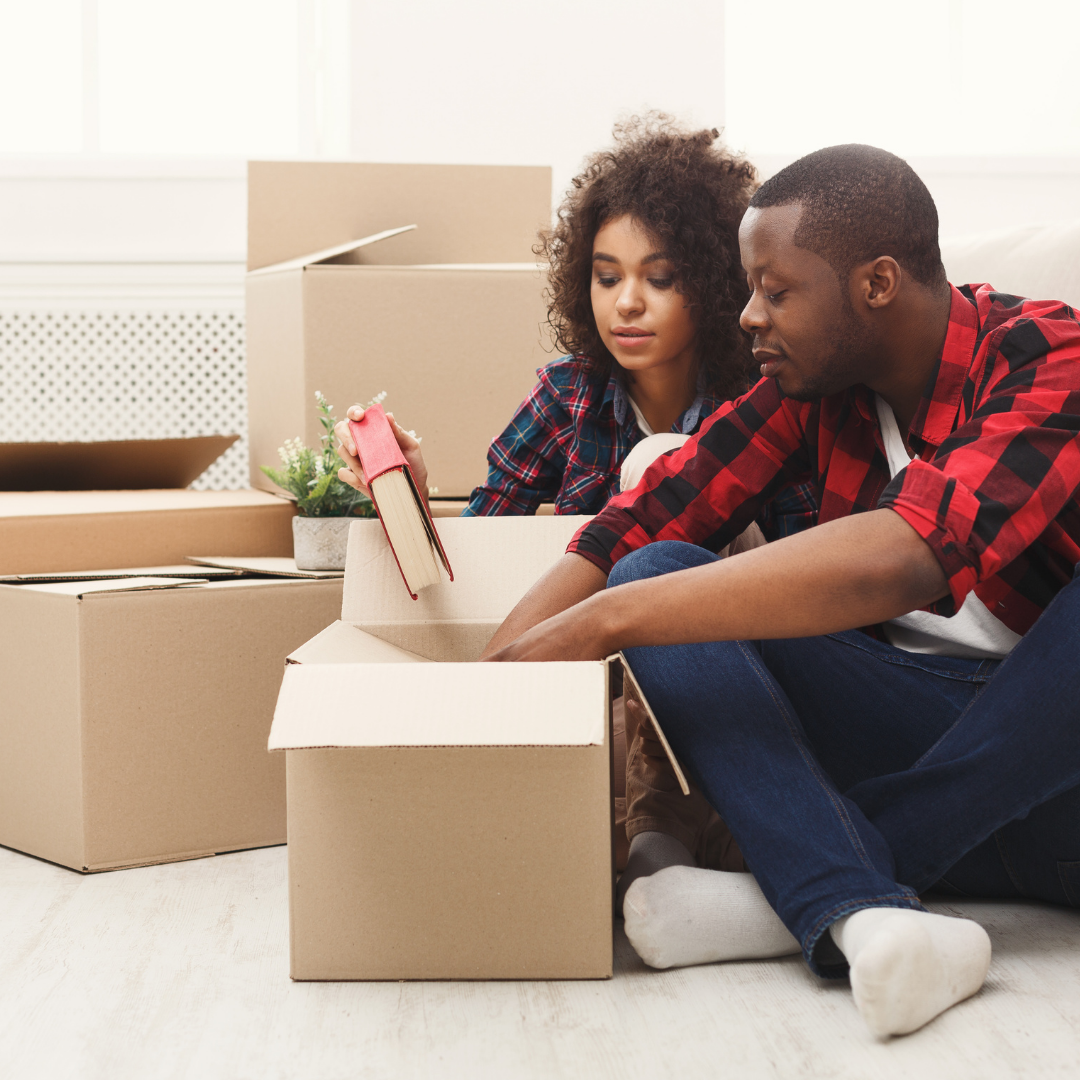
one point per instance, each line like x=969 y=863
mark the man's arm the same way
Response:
x=572 y=579
x=841 y=575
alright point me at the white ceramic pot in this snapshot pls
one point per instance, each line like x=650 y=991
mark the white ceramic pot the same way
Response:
x=319 y=543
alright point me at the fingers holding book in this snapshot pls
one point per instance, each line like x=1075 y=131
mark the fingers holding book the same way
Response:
x=353 y=474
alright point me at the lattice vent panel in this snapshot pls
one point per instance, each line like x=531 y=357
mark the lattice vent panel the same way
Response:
x=87 y=375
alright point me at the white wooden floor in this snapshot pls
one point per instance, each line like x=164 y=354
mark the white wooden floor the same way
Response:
x=181 y=971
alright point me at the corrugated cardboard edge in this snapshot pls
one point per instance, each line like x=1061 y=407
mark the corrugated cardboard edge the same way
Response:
x=628 y=672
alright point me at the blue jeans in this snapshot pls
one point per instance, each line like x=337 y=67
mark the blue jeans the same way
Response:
x=853 y=774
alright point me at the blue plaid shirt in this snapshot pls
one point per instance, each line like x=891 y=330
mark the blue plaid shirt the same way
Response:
x=567 y=442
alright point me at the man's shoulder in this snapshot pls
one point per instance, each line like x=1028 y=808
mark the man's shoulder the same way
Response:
x=1000 y=314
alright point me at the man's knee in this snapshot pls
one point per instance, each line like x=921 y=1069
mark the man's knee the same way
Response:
x=663 y=557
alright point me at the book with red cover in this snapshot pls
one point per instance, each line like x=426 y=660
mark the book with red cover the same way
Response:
x=380 y=456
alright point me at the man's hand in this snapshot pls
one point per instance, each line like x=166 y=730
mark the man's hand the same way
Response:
x=353 y=474
x=570 y=635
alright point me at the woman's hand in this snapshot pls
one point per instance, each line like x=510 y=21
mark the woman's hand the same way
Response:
x=353 y=475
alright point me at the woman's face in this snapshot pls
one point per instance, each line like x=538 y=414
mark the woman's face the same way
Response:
x=641 y=316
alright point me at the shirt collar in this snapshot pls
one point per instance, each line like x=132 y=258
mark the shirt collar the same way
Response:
x=617 y=394
x=935 y=417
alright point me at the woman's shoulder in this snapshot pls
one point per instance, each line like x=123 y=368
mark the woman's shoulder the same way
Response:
x=570 y=381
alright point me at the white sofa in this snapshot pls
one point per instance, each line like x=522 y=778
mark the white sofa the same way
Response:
x=1041 y=262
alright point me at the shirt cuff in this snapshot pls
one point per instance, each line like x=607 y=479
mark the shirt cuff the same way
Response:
x=942 y=511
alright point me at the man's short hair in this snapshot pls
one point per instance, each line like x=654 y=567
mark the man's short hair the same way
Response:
x=860 y=203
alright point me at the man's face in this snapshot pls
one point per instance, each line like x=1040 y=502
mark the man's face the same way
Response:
x=806 y=333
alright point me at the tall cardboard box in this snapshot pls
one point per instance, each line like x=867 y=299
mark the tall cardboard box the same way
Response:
x=447 y=819
x=449 y=318
x=135 y=712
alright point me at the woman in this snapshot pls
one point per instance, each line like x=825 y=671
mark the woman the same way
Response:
x=645 y=292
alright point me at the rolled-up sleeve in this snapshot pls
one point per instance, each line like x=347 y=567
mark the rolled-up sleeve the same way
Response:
x=711 y=489
x=999 y=480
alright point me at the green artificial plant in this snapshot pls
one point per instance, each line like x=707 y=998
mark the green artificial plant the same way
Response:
x=310 y=476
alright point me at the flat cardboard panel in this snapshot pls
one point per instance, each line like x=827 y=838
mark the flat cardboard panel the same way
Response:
x=444 y=863
x=456 y=351
x=343 y=643
x=335 y=253
x=114 y=465
x=444 y=642
x=269 y=566
x=496 y=560
x=371 y=704
x=100 y=530
x=463 y=213
x=174 y=752
x=41 y=750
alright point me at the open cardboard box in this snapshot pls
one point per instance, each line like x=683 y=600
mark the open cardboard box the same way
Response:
x=43 y=531
x=447 y=819
x=135 y=712
x=447 y=317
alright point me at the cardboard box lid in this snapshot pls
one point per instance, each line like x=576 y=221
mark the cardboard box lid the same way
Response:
x=465 y=213
x=329 y=253
x=372 y=704
x=266 y=565
x=129 y=464
x=496 y=560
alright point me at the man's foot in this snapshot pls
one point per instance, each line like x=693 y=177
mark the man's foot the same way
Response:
x=650 y=852
x=909 y=966
x=683 y=915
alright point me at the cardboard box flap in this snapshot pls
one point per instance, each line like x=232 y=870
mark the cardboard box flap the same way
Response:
x=465 y=213
x=343 y=643
x=267 y=565
x=496 y=560
x=635 y=689
x=82 y=589
x=128 y=465
x=341 y=705
x=331 y=252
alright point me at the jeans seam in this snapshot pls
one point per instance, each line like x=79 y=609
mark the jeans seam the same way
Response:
x=978 y=676
x=811 y=762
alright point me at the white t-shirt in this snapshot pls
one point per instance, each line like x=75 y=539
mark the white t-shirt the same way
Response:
x=973 y=632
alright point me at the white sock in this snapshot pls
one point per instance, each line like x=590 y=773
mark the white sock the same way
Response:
x=909 y=966
x=682 y=915
x=650 y=852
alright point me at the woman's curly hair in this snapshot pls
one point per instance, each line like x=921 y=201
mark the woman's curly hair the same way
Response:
x=690 y=192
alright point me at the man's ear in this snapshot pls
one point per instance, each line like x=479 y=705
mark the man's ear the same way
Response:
x=877 y=282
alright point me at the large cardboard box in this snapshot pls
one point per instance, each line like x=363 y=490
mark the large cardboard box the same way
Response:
x=135 y=712
x=448 y=318
x=447 y=819
x=97 y=530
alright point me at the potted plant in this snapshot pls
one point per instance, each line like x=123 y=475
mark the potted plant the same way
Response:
x=325 y=506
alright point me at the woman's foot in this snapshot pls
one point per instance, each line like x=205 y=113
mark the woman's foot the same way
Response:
x=909 y=966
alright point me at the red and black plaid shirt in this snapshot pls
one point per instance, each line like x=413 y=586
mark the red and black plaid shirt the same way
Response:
x=993 y=490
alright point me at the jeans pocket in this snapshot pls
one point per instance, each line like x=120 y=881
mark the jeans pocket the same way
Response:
x=1069 y=872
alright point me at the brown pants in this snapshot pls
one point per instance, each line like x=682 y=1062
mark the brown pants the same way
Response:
x=649 y=798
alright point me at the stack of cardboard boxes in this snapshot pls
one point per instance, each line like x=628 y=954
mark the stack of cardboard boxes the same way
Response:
x=137 y=702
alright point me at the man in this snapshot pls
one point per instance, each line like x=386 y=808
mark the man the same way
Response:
x=938 y=745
